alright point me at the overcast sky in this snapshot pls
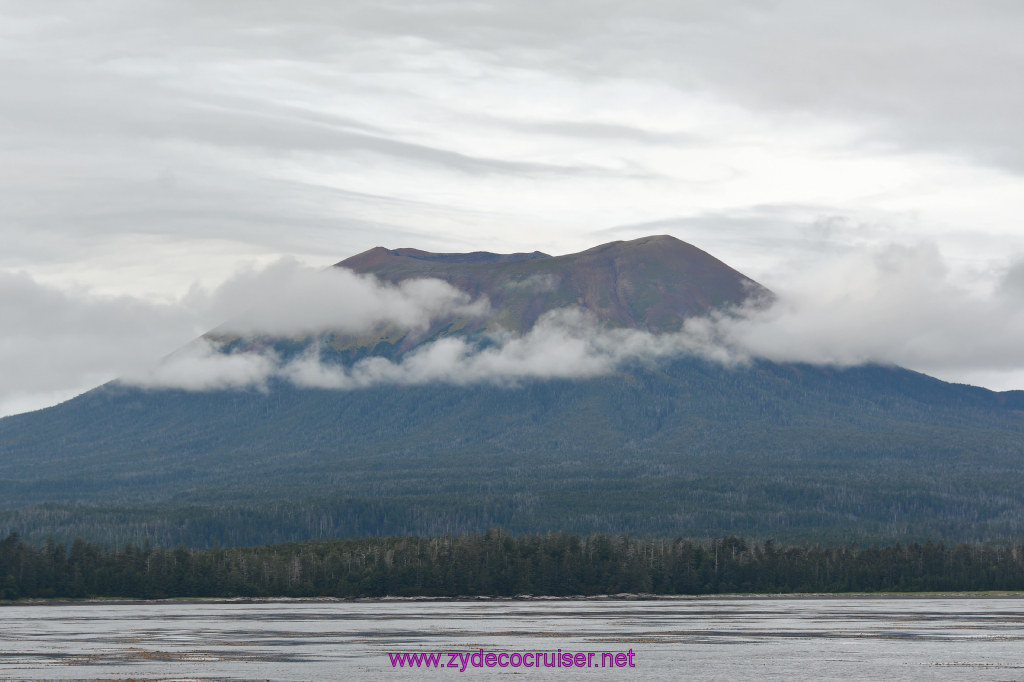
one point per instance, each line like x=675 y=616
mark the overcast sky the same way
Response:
x=864 y=159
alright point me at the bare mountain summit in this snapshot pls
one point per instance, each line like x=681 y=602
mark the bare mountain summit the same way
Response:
x=652 y=283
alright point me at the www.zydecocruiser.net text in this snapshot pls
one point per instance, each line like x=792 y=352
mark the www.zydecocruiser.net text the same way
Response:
x=462 y=660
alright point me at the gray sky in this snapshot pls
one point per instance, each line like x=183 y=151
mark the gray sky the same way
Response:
x=863 y=159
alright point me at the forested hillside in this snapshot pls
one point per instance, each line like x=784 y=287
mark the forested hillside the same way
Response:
x=683 y=448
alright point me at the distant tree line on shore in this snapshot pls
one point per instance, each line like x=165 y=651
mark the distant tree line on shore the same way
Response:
x=498 y=564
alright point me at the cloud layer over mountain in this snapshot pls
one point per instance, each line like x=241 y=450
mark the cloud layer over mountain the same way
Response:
x=894 y=305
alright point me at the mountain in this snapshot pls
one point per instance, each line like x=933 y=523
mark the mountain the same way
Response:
x=652 y=284
x=674 y=446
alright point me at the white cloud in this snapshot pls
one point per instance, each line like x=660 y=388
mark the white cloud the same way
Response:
x=290 y=299
x=200 y=366
x=566 y=343
x=896 y=305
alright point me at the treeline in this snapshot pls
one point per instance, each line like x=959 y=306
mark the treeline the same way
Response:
x=497 y=564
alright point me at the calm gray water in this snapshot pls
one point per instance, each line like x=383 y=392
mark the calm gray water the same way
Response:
x=858 y=638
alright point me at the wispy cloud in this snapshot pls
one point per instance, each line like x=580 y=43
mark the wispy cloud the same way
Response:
x=288 y=299
x=895 y=304
x=566 y=343
x=200 y=366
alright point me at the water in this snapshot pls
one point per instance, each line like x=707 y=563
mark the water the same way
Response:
x=783 y=638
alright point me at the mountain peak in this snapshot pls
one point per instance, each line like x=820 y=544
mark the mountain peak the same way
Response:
x=640 y=242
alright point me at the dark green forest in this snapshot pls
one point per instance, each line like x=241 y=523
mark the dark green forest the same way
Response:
x=498 y=564
x=690 y=448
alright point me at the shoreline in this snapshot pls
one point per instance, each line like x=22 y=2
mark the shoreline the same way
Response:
x=803 y=596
